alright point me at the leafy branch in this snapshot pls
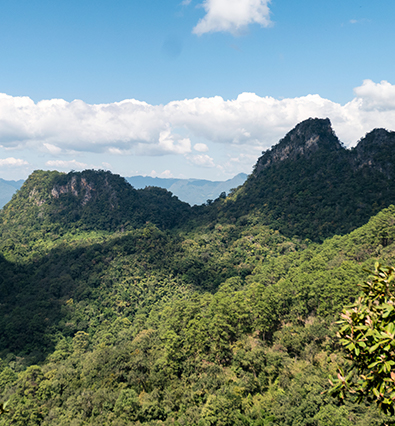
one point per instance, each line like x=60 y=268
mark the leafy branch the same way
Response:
x=367 y=334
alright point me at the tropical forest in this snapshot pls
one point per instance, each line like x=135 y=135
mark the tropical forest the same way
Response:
x=272 y=305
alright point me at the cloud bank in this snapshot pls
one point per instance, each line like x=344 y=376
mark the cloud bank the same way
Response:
x=232 y=15
x=133 y=127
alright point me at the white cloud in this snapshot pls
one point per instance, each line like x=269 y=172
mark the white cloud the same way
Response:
x=116 y=151
x=166 y=174
x=249 y=123
x=14 y=162
x=200 y=147
x=63 y=164
x=52 y=148
x=240 y=163
x=167 y=143
x=232 y=15
x=201 y=160
x=380 y=96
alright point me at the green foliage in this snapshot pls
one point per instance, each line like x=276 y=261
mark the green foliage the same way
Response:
x=218 y=321
x=368 y=334
x=310 y=186
x=51 y=204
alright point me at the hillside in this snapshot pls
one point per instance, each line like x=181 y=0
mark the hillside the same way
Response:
x=131 y=336
x=53 y=202
x=309 y=185
x=123 y=306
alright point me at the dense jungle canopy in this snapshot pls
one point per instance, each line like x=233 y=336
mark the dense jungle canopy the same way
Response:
x=129 y=307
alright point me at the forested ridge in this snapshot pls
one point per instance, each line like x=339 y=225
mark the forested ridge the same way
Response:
x=128 y=307
x=311 y=186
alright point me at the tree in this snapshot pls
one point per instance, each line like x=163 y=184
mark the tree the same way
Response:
x=368 y=335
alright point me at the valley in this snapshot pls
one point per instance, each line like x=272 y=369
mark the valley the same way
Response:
x=124 y=306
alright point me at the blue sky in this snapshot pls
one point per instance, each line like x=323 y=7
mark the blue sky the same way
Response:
x=185 y=88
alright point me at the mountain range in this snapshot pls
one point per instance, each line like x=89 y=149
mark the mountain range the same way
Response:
x=191 y=191
x=125 y=306
x=310 y=185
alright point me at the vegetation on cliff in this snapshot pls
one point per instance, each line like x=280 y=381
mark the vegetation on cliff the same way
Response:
x=127 y=307
x=309 y=185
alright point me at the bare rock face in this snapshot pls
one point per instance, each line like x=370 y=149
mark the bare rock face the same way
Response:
x=306 y=138
x=34 y=196
x=77 y=186
x=71 y=187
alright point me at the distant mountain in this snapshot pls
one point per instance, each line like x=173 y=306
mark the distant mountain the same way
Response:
x=310 y=185
x=192 y=191
x=7 y=190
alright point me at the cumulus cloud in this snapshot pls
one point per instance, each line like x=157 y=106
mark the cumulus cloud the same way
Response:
x=376 y=96
x=56 y=124
x=200 y=147
x=14 y=162
x=247 y=123
x=232 y=15
x=63 y=164
x=167 y=143
x=167 y=174
x=52 y=148
x=254 y=121
x=201 y=160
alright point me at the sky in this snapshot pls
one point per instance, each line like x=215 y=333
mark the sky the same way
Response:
x=185 y=88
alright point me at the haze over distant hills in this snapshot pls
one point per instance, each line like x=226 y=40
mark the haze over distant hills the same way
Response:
x=7 y=189
x=192 y=191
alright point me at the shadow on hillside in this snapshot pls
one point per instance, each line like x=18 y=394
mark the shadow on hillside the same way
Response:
x=77 y=286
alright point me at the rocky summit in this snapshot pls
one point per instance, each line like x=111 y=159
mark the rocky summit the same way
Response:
x=310 y=185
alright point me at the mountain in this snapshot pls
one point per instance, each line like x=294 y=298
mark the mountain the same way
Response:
x=310 y=185
x=192 y=191
x=123 y=306
x=7 y=189
x=89 y=200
